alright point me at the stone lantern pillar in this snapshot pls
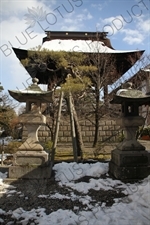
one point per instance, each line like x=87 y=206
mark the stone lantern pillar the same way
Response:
x=130 y=159
x=31 y=161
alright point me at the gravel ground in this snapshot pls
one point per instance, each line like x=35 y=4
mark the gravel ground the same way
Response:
x=27 y=192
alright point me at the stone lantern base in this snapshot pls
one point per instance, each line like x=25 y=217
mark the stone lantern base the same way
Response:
x=30 y=172
x=129 y=165
x=30 y=164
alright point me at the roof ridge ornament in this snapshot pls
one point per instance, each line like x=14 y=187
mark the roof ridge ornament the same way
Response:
x=127 y=85
x=35 y=80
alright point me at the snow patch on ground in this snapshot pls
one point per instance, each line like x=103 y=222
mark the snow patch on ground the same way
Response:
x=134 y=209
x=67 y=172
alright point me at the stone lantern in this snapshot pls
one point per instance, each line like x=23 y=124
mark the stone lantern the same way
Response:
x=31 y=161
x=130 y=159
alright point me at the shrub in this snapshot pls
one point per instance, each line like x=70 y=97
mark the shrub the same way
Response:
x=12 y=147
x=47 y=145
x=120 y=137
x=143 y=132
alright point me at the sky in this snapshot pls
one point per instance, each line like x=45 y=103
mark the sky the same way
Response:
x=23 y=24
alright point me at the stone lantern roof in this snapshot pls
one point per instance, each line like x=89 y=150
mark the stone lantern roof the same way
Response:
x=31 y=92
x=127 y=94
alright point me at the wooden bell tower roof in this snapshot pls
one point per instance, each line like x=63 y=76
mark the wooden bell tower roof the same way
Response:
x=64 y=40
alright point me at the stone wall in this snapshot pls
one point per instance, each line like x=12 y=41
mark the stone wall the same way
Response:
x=108 y=131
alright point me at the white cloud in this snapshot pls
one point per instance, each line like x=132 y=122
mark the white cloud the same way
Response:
x=19 y=76
x=15 y=72
x=15 y=33
x=71 y=27
x=87 y=14
x=139 y=33
x=144 y=25
x=71 y=24
x=74 y=21
x=16 y=7
x=14 y=27
x=134 y=33
x=133 y=36
x=98 y=6
x=68 y=20
x=52 y=2
x=112 y=25
x=15 y=75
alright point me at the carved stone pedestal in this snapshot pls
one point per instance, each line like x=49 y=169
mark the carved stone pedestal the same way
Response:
x=31 y=161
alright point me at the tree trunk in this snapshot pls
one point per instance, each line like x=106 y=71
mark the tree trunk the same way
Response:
x=73 y=133
x=106 y=95
x=96 y=135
